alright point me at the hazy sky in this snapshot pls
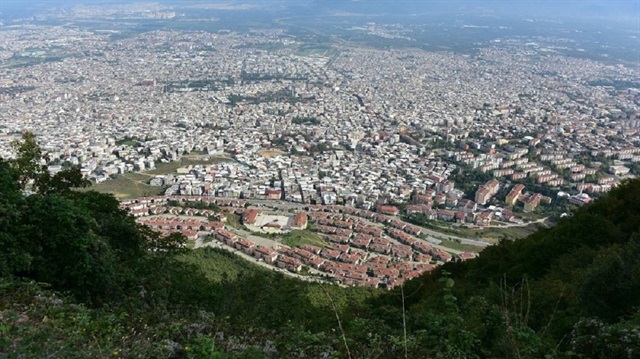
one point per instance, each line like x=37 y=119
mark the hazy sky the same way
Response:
x=622 y=9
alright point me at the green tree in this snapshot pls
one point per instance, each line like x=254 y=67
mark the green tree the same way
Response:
x=31 y=166
x=610 y=287
x=13 y=257
x=64 y=249
x=29 y=158
x=62 y=182
x=595 y=339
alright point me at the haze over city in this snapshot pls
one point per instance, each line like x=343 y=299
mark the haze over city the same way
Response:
x=319 y=179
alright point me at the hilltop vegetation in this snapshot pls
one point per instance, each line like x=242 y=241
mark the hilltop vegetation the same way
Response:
x=80 y=279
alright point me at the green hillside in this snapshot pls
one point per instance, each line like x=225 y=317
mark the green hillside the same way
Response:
x=80 y=279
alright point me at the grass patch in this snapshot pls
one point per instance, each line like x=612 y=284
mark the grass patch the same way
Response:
x=217 y=264
x=233 y=220
x=139 y=177
x=299 y=237
x=124 y=187
x=164 y=168
x=324 y=51
x=461 y=246
x=495 y=234
x=128 y=142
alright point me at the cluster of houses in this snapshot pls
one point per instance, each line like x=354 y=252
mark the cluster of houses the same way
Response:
x=189 y=227
x=460 y=210
x=345 y=229
x=359 y=150
x=346 y=264
x=166 y=214
x=362 y=247
x=159 y=204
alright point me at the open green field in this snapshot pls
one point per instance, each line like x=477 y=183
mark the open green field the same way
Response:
x=139 y=177
x=461 y=246
x=297 y=238
x=163 y=168
x=128 y=185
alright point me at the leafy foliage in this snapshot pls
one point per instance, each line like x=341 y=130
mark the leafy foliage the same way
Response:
x=30 y=165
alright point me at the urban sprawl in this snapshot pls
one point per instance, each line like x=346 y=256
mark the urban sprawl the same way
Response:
x=359 y=138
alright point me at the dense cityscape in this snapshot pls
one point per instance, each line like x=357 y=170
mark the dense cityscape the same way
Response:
x=351 y=179
x=512 y=134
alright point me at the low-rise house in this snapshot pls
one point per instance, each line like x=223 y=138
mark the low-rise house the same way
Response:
x=330 y=254
x=484 y=218
x=226 y=237
x=299 y=221
x=349 y=258
x=311 y=248
x=316 y=262
x=340 y=248
x=250 y=216
x=266 y=254
x=245 y=245
x=388 y=210
x=289 y=263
